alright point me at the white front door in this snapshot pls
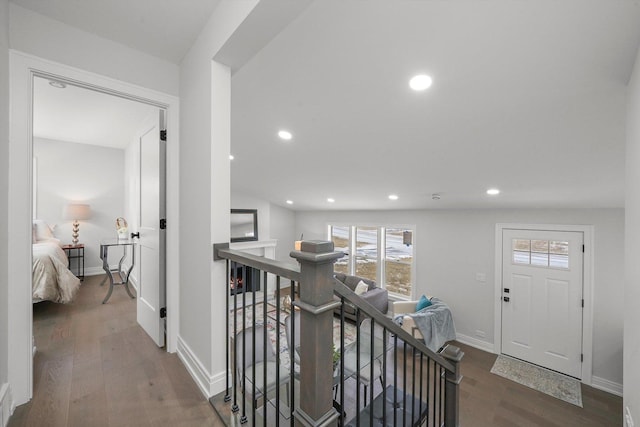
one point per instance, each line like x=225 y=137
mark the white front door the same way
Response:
x=542 y=300
x=151 y=243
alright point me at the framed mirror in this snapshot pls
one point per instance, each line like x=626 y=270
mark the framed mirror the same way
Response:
x=244 y=225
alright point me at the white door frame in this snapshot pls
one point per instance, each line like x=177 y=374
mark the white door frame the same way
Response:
x=587 y=277
x=23 y=68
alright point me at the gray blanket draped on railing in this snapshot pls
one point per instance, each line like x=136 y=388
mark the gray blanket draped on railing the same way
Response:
x=434 y=322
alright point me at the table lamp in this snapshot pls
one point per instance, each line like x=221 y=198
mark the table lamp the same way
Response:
x=76 y=212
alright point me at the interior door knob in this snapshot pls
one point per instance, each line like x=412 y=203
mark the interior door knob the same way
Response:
x=134 y=235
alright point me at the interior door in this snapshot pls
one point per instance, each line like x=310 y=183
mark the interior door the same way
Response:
x=542 y=298
x=151 y=242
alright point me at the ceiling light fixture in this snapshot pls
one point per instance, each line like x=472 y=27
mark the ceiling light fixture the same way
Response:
x=330 y=200
x=393 y=197
x=420 y=82
x=493 y=191
x=289 y=202
x=435 y=196
x=286 y=135
x=57 y=84
x=231 y=157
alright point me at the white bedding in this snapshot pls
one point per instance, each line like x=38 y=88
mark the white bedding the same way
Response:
x=52 y=280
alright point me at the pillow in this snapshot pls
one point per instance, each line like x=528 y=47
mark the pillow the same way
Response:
x=43 y=231
x=423 y=303
x=361 y=288
x=34 y=237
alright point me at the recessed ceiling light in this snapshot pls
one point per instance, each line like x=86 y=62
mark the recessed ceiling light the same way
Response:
x=57 y=84
x=393 y=197
x=493 y=191
x=231 y=157
x=289 y=202
x=286 y=135
x=435 y=196
x=420 y=82
x=330 y=200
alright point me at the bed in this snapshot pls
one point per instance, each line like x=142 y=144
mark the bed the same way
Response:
x=52 y=279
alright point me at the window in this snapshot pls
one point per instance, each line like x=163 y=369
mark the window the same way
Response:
x=541 y=253
x=383 y=254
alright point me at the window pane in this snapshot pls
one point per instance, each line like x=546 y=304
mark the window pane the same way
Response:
x=340 y=239
x=559 y=247
x=559 y=261
x=367 y=252
x=521 y=245
x=399 y=257
x=539 y=246
x=520 y=257
x=539 y=259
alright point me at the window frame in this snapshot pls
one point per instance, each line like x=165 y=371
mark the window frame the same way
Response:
x=381 y=255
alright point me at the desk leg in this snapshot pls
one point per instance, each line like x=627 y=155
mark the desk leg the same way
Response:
x=104 y=254
x=125 y=277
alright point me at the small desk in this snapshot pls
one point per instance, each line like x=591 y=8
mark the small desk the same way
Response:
x=122 y=275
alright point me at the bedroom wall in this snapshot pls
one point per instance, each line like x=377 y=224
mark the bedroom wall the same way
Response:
x=46 y=38
x=85 y=173
x=632 y=252
x=442 y=271
x=4 y=177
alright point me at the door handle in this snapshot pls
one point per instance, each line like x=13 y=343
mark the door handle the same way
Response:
x=505 y=299
x=134 y=235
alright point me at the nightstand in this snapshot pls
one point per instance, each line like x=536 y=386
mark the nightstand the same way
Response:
x=76 y=253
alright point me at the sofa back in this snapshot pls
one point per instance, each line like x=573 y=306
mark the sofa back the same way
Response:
x=352 y=281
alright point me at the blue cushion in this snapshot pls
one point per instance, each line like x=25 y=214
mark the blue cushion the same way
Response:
x=423 y=303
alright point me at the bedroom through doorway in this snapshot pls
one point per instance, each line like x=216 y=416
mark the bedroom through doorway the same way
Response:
x=97 y=157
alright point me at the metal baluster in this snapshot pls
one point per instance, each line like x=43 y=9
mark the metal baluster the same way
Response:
x=227 y=397
x=395 y=378
x=384 y=375
x=357 y=366
x=431 y=409
x=265 y=298
x=235 y=407
x=277 y=328
x=292 y=354
x=441 y=399
x=404 y=385
x=253 y=352
x=341 y=383
x=413 y=385
x=371 y=377
x=420 y=397
x=243 y=419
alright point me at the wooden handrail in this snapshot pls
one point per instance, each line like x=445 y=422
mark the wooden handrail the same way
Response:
x=279 y=268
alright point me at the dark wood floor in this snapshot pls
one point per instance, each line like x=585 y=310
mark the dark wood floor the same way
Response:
x=96 y=367
x=490 y=400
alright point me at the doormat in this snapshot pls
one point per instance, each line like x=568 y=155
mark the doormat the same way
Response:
x=549 y=382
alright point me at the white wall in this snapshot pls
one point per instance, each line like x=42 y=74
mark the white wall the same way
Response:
x=4 y=177
x=441 y=270
x=204 y=196
x=46 y=38
x=68 y=171
x=283 y=228
x=632 y=251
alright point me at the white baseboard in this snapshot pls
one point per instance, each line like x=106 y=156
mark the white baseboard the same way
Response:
x=606 y=385
x=93 y=271
x=209 y=384
x=475 y=342
x=6 y=404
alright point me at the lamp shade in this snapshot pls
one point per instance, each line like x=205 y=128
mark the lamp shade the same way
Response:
x=77 y=211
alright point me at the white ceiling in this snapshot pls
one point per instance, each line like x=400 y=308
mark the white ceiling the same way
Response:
x=84 y=116
x=528 y=97
x=165 y=29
